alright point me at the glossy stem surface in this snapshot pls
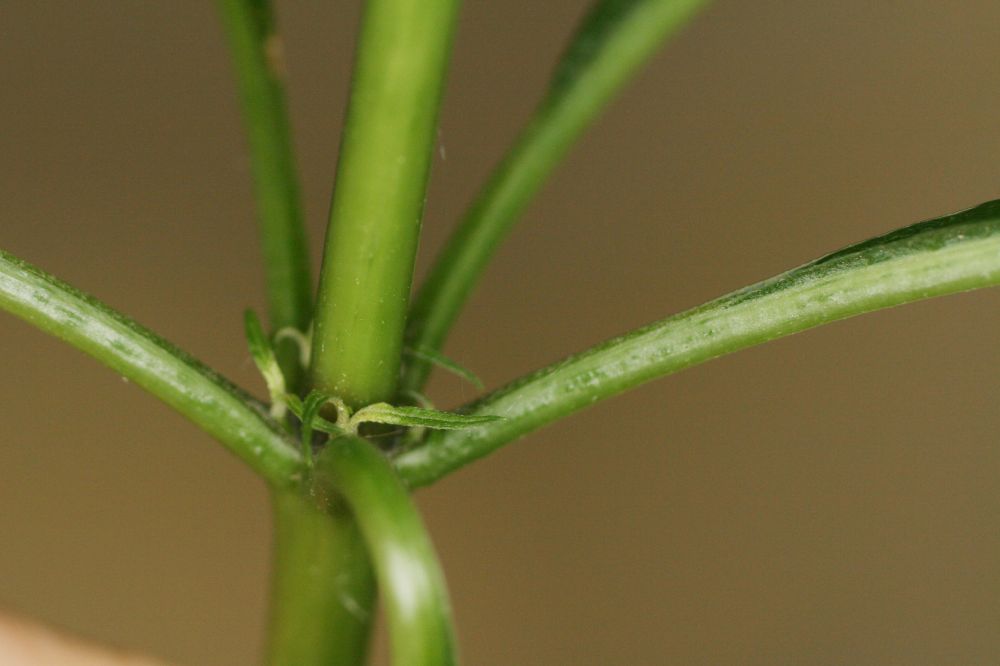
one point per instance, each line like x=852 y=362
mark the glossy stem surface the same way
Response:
x=210 y=401
x=615 y=38
x=941 y=256
x=257 y=54
x=323 y=590
x=409 y=577
x=378 y=197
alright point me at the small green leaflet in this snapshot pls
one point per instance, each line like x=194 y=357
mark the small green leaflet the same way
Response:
x=317 y=422
x=310 y=412
x=264 y=359
x=437 y=358
x=382 y=412
x=316 y=400
x=307 y=411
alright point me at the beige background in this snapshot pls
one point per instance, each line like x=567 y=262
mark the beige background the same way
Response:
x=827 y=499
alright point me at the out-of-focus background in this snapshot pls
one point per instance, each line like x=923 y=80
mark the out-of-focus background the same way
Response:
x=828 y=498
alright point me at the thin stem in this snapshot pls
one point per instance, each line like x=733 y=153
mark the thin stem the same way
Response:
x=409 y=577
x=257 y=54
x=615 y=38
x=323 y=590
x=379 y=196
x=210 y=401
x=942 y=256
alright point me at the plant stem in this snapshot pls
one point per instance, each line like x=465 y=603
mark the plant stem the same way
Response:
x=942 y=256
x=615 y=38
x=200 y=394
x=410 y=579
x=257 y=54
x=323 y=591
x=379 y=195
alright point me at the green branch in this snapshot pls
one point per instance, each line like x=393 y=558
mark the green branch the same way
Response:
x=323 y=592
x=379 y=196
x=257 y=54
x=941 y=256
x=211 y=402
x=615 y=38
x=407 y=570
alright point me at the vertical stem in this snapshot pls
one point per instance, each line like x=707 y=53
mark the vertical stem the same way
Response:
x=411 y=584
x=323 y=591
x=378 y=200
x=256 y=49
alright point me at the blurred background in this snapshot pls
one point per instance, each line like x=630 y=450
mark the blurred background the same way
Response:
x=825 y=499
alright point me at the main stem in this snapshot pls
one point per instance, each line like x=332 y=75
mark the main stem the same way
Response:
x=323 y=585
x=411 y=584
x=323 y=590
x=378 y=200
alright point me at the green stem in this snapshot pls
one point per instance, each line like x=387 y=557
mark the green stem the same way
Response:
x=323 y=591
x=410 y=579
x=942 y=256
x=615 y=38
x=207 y=399
x=379 y=195
x=257 y=54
